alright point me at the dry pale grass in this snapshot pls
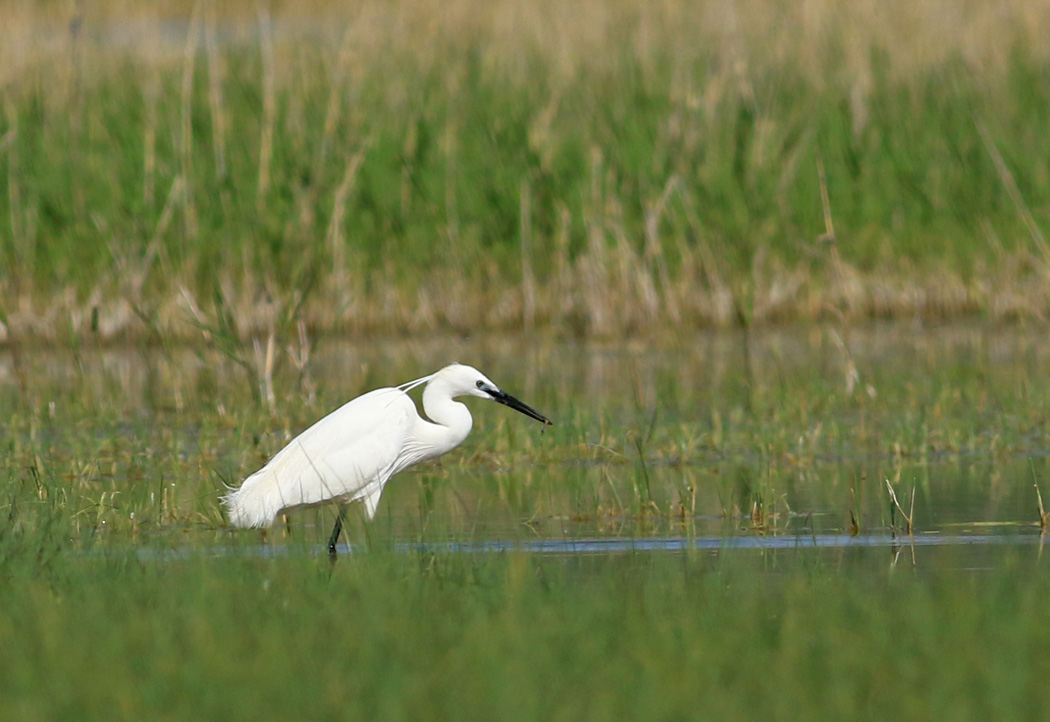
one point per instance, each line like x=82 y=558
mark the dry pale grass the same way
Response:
x=609 y=295
x=567 y=35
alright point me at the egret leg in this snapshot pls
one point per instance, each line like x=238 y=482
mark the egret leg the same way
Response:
x=336 y=530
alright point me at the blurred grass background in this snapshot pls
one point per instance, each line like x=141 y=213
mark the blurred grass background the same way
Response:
x=590 y=168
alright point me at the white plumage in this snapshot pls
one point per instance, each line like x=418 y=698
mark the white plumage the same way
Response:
x=350 y=454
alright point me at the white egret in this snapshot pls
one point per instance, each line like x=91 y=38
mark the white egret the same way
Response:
x=351 y=454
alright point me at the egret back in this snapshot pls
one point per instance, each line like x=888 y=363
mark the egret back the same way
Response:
x=349 y=454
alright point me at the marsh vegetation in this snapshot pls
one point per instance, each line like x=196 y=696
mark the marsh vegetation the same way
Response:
x=777 y=273
x=590 y=168
x=690 y=537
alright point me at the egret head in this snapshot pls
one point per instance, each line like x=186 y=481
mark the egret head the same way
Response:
x=465 y=380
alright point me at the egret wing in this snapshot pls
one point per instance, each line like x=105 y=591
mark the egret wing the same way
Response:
x=348 y=454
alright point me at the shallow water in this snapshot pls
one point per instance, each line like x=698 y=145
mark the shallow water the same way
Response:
x=1010 y=546
x=780 y=440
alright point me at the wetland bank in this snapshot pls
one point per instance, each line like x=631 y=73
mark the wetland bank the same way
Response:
x=762 y=264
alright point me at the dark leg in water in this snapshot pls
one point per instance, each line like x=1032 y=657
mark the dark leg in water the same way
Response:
x=334 y=539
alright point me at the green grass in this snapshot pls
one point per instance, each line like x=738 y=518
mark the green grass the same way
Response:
x=615 y=170
x=112 y=636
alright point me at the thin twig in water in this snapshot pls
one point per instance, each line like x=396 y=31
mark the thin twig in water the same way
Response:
x=1044 y=517
x=907 y=517
x=854 y=525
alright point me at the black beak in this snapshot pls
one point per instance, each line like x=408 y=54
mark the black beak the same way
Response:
x=507 y=400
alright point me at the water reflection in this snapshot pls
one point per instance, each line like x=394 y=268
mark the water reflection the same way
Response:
x=774 y=439
x=922 y=552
